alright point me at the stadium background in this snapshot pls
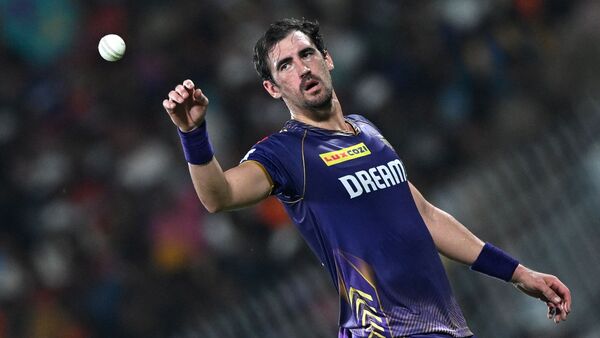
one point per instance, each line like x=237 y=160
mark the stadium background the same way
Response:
x=492 y=105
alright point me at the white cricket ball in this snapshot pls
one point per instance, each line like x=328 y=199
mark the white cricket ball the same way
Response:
x=111 y=47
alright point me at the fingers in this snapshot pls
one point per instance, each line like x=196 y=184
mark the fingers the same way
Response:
x=169 y=105
x=200 y=97
x=563 y=291
x=549 y=294
x=183 y=91
x=552 y=311
x=186 y=105
x=175 y=97
x=179 y=95
x=549 y=289
x=196 y=93
x=561 y=310
x=189 y=84
x=556 y=313
x=555 y=304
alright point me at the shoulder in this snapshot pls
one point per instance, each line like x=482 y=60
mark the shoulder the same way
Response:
x=277 y=154
x=282 y=139
x=358 y=118
x=369 y=128
x=277 y=143
x=363 y=122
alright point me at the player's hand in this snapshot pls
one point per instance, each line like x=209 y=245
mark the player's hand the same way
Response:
x=547 y=288
x=186 y=106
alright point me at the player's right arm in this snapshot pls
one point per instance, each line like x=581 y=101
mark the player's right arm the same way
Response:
x=240 y=186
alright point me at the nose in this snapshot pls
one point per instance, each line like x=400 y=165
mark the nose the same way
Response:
x=303 y=69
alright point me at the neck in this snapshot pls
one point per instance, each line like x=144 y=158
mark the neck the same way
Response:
x=331 y=118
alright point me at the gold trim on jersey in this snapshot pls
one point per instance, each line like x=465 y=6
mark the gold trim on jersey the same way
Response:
x=262 y=167
x=367 y=273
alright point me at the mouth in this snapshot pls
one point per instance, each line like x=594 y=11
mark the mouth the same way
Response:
x=310 y=84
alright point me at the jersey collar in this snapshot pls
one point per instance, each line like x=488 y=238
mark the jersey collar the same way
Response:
x=301 y=126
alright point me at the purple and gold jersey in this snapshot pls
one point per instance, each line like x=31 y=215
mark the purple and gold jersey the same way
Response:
x=349 y=197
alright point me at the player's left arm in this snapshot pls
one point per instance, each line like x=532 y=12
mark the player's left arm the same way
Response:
x=451 y=238
x=455 y=241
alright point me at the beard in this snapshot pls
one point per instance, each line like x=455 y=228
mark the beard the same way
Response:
x=321 y=102
x=320 y=105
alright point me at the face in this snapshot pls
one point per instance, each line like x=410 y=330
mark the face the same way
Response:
x=301 y=74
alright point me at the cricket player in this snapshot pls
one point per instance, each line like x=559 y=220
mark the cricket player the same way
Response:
x=347 y=191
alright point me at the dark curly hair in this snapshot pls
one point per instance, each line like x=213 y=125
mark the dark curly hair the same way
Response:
x=277 y=32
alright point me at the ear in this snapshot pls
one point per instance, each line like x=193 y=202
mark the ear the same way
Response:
x=329 y=60
x=272 y=89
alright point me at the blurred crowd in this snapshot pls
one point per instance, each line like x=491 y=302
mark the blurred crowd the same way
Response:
x=101 y=234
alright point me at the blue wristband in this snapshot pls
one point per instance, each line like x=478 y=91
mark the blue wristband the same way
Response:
x=494 y=262
x=196 y=145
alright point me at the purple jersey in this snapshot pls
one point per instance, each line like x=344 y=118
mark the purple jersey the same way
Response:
x=349 y=197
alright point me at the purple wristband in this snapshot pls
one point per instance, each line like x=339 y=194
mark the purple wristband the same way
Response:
x=494 y=262
x=196 y=145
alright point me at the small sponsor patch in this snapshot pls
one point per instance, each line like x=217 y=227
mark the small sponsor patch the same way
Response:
x=345 y=154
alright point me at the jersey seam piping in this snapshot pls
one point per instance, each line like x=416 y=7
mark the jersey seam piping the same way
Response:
x=266 y=173
x=303 y=173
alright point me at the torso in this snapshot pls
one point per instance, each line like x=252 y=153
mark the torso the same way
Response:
x=349 y=196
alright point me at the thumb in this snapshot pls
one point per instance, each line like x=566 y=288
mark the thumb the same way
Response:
x=200 y=97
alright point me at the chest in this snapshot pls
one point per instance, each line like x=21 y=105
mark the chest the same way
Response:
x=348 y=167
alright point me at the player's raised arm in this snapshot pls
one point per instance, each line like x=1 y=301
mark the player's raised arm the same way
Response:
x=240 y=186
x=456 y=242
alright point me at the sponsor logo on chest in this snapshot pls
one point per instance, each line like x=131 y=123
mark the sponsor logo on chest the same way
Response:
x=345 y=154
x=373 y=179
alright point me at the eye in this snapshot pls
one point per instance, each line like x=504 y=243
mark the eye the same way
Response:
x=284 y=66
x=308 y=53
